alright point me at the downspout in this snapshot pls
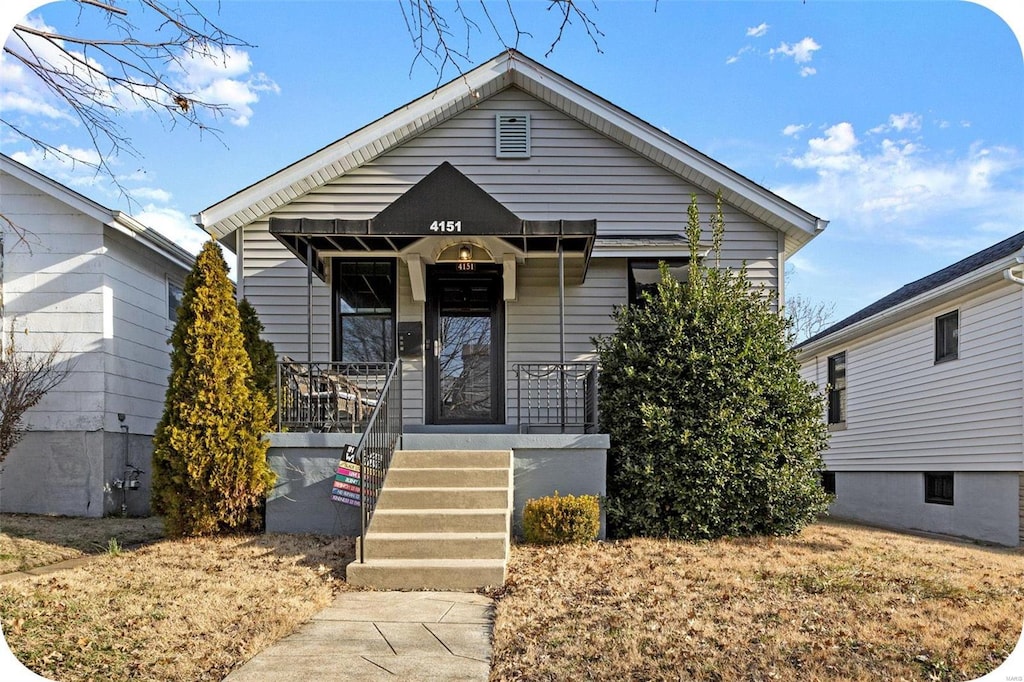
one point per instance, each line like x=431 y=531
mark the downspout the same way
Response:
x=1010 y=275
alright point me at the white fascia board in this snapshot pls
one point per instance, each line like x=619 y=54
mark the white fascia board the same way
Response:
x=988 y=274
x=428 y=111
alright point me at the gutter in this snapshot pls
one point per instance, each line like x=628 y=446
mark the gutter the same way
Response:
x=1010 y=275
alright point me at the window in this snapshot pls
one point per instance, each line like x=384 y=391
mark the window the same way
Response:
x=938 y=488
x=837 y=389
x=364 y=308
x=947 y=332
x=644 y=275
x=174 y=294
x=828 y=482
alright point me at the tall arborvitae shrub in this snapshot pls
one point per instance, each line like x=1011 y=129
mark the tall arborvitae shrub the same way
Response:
x=210 y=471
x=261 y=354
x=713 y=433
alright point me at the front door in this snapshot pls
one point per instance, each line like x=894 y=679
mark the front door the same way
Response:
x=464 y=345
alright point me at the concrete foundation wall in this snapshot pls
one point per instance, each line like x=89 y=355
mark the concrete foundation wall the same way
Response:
x=71 y=473
x=986 y=504
x=305 y=464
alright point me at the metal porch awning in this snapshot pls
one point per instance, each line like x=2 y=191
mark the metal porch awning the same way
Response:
x=445 y=203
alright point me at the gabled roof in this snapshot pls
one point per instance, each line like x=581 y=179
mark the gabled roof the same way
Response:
x=116 y=220
x=506 y=70
x=999 y=256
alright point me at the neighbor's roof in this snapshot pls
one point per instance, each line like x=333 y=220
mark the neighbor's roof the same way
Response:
x=999 y=256
x=506 y=70
x=117 y=220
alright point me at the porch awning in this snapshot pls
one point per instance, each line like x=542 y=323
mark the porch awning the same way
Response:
x=445 y=203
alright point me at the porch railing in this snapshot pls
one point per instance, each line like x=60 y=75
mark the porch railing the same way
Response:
x=328 y=396
x=556 y=397
x=376 y=447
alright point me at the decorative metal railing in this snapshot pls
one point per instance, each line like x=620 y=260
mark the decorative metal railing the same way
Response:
x=328 y=396
x=375 y=449
x=556 y=397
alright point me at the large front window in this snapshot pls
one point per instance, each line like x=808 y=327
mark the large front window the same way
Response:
x=364 y=309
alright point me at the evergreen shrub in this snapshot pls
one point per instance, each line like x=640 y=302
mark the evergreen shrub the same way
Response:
x=556 y=520
x=210 y=471
x=713 y=432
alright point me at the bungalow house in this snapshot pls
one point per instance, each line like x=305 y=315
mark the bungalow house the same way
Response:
x=480 y=236
x=104 y=289
x=925 y=401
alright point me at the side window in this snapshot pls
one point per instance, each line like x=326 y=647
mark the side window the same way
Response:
x=644 y=275
x=837 y=389
x=947 y=337
x=174 y=294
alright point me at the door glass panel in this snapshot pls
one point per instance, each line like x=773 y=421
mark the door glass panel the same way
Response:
x=464 y=358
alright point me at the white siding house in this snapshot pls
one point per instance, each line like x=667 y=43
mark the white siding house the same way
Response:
x=95 y=283
x=926 y=401
x=521 y=239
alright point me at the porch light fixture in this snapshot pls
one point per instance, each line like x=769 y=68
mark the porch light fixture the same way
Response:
x=465 y=252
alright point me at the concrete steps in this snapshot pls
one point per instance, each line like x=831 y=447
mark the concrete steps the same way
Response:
x=442 y=522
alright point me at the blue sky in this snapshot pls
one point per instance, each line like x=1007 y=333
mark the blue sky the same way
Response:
x=902 y=123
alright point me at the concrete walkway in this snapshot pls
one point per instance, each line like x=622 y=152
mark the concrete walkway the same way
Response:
x=383 y=636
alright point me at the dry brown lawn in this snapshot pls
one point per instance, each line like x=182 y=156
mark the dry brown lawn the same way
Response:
x=838 y=602
x=181 y=610
x=28 y=541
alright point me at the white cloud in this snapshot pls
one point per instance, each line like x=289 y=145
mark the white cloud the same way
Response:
x=900 y=191
x=906 y=122
x=736 y=57
x=806 y=71
x=801 y=52
x=220 y=77
x=151 y=194
x=757 y=31
x=69 y=165
x=174 y=225
x=794 y=129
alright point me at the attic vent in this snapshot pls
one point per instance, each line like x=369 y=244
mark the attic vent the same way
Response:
x=512 y=136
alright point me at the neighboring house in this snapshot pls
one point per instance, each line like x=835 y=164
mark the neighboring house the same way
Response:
x=484 y=234
x=925 y=395
x=104 y=288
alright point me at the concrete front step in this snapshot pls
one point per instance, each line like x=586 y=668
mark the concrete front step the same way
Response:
x=432 y=574
x=439 y=521
x=436 y=545
x=453 y=459
x=437 y=477
x=441 y=498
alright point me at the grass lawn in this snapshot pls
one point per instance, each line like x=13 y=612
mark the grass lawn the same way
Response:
x=837 y=602
x=182 y=610
x=28 y=541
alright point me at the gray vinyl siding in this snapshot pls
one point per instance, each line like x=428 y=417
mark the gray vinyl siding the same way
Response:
x=574 y=173
x=137 y=362
x=906 y=413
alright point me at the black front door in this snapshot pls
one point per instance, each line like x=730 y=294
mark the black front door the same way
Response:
x=465 y=346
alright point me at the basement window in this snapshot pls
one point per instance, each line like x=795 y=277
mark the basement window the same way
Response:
x=938 y=488
x=512 y=136
x=828 y=482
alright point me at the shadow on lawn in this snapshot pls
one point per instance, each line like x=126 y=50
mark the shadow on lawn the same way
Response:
x=332 y=552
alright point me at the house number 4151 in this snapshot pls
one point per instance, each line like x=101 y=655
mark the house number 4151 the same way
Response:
x=446 y=226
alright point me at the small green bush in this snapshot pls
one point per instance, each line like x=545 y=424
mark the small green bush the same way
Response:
x=558 y=520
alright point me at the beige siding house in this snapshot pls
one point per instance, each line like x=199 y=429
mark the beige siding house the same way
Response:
x=102 y=287
x=482 y=235
x=926 y=401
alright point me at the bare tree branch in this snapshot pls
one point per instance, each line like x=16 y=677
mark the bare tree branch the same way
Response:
x=25 y=377
x=95 y=79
